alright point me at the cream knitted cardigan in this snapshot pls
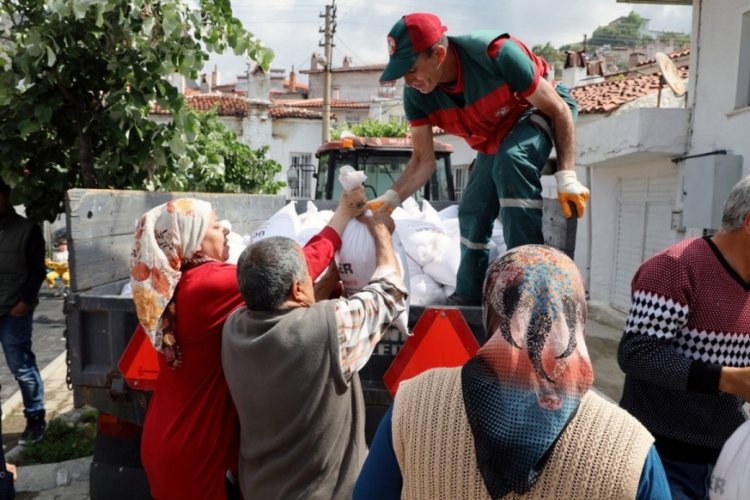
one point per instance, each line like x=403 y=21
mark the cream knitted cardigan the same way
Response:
x=600 y=455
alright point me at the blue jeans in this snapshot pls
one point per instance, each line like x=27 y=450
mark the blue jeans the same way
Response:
x=15 y=337
x=688 y=481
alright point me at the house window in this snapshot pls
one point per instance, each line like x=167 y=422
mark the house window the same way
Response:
x=743 y=75
x=300 y=175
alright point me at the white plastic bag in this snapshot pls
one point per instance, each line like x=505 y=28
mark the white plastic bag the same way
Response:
x=356 y=263
x=285 y=222
x=236 y=247
x=423 y=241
x=424 y=291
x=730 y=479
x=350 y=178
x=312 y=222
x=235 y=241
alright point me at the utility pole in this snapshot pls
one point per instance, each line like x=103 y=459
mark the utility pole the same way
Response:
x=584 y=42
x=327 y=44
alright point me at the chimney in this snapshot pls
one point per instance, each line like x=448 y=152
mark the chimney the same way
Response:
x=205 y=84
x=215 y=77
x=347 y=62
x=317 y=62
x=292 y=81
x=635 y=59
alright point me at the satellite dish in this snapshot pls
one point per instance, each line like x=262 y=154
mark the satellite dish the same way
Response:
x=669 y=75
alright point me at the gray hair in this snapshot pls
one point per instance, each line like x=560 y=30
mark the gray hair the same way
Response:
x=431 y=49
x=266 y=271
x=737 y=206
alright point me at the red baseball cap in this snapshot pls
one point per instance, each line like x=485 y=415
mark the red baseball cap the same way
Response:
x=412 y=34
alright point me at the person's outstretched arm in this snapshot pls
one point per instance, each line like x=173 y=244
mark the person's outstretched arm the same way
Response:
x=321 y=248
x=363 y=319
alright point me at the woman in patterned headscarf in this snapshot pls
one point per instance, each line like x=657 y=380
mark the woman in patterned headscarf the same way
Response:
x=183 y=290
x=518 y=420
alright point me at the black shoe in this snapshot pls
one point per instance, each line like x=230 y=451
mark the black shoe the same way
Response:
x=35 y=427
x=458 y=300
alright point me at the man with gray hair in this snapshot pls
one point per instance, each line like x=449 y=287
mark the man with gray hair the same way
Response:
x=291 y=364
x=686 y=347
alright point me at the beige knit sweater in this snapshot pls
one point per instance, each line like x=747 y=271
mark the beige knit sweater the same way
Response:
x=600 y=455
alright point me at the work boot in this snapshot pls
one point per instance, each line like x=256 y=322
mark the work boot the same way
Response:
x=35 y=427
x=458 y=300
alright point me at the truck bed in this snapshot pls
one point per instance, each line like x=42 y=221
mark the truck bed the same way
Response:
x=101 y=322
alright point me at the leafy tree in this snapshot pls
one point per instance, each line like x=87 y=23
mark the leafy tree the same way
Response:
x=679 y=41
x=373 y=128
x=553 y=56
x=221 y=163
x=624 y=31
x=577 y=47
x=77 y=79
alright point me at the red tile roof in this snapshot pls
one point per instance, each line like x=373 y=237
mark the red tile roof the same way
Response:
x=278 y=111
x=318 y=103
x=672 y=55
x=348 y=69
x=609 y=95
x=233 y=105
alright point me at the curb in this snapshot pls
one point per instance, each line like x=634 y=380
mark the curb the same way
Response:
x=16 y=399
x=43 y=477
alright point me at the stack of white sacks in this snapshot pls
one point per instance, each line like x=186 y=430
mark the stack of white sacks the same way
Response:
x=427 y=241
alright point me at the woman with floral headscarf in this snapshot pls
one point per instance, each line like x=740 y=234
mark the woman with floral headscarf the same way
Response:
x=518 y=420
x=183 y=290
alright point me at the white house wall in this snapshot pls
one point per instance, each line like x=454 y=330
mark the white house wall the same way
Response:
x=358 y=86
x=603 y=212
x=717 y=124
x=294 y=135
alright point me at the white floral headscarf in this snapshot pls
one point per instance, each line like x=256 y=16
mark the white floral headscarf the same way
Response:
x=166 y=240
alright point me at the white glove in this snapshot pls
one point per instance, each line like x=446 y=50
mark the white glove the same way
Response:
x=570 y=190
x=390 y=198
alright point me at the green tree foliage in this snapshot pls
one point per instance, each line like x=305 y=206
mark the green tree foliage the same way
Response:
x=221 y=163
x=77 y=79
x=679 y=41
x=623 y=32
x=373 y=128
x=553 y=56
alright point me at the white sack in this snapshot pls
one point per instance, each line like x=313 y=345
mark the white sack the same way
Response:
x=356 y=263
x=730 y=479
x=423 y=241
x=424 y=291
x=444 y=267
x=285 y=222
x=312 y=222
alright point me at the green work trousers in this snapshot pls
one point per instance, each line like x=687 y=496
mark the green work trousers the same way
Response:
x=507 y=183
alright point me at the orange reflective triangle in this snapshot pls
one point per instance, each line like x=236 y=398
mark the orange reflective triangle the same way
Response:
x=441 y=338
x=139 y=363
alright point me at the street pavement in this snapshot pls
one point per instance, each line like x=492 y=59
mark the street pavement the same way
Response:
x=66 y=480
x=69 y=480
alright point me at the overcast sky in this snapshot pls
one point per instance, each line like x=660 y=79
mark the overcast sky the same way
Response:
x=291 y=27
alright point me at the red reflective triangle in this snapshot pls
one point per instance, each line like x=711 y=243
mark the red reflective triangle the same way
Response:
x=441 y=338
x=139 y=363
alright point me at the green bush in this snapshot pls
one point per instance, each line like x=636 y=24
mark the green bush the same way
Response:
x=62 y=441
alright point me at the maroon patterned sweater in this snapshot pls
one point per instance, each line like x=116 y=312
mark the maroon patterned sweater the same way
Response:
x=690 y=315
